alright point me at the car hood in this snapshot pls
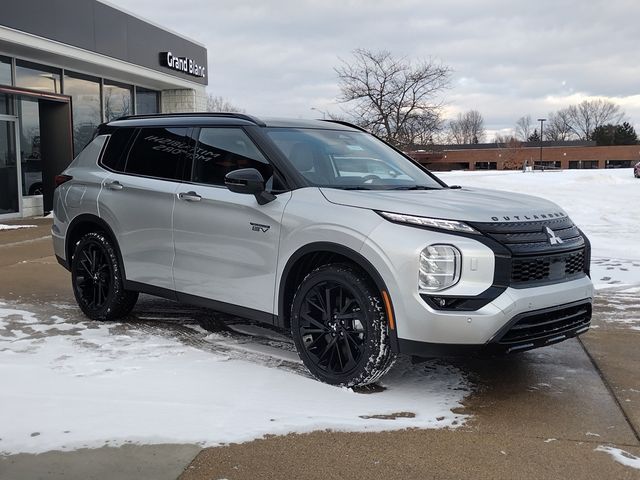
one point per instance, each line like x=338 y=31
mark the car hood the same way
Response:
x=466 y=204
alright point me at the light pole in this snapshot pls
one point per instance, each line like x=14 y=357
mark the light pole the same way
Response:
x=541 y=120
x=324 y=114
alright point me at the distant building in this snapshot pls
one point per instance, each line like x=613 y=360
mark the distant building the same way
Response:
x=514 y=155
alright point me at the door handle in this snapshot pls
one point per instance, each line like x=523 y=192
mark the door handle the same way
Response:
x=114 y=185
x=189 y=196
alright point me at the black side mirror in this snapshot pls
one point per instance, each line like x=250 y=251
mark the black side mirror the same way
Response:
x=248 y=181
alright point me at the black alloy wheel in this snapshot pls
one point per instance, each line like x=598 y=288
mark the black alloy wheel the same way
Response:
x=97 y=280
x=339 y=326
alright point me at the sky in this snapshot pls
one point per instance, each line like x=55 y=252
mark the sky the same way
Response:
x=277 y=58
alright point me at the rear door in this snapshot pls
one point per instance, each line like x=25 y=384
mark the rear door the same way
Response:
x=138 y=198
x=226 y=244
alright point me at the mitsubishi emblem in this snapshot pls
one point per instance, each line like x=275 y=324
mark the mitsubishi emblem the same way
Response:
x=553 y=238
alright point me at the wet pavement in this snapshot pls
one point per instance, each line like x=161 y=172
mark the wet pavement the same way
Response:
x=540 y=414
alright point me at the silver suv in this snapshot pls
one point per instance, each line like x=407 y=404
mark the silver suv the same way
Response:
x=271 y=220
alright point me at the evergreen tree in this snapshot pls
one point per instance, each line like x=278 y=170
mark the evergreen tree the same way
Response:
x=625 y=134
x=604 y=134
x=610 y=134
x=534 y=137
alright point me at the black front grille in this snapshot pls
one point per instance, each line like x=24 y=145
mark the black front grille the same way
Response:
x=547 y=268
x=547 y=326
x=537 y=256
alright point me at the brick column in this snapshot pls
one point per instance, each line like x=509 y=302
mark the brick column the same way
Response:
x=184 y=100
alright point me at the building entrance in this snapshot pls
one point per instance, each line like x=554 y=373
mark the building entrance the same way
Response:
x=9 y=165
x=36 y=144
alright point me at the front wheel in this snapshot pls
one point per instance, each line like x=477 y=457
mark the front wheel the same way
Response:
x=97 y=279
x=340 y=328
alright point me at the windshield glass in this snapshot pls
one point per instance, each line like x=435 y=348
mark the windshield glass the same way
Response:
x=349 y=160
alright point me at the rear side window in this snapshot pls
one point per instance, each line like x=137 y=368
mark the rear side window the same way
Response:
x=223 y=150
x=116 y=151
x=159 y=153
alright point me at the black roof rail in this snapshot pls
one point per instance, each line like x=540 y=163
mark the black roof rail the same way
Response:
x=346 y=124
x=241 y=116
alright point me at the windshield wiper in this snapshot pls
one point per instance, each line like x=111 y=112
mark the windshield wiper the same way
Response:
x=416 y=187
x=354 y=188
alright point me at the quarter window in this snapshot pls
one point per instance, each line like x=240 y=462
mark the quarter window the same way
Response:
x=223 y=150
x=159 y=153
x=116 y=151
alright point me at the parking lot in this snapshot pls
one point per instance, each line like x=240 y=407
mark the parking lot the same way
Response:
x=571 y=410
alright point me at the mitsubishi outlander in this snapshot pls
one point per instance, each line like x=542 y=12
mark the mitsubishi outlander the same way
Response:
x=321 y=229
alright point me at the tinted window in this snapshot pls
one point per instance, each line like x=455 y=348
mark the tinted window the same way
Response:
x=85 y=100
x=223 y=150
x=37 y=77
x=117 y=100
x=115 y=154
x=146 y=101
x=5 y=71
x=159 y=152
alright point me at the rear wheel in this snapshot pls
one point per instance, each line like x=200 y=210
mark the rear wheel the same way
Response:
x=340 y=328
x=97 y=279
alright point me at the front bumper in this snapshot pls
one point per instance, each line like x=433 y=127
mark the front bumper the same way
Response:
x=525 y=331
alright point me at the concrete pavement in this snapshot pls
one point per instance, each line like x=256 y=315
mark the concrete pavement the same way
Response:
x=538 y=415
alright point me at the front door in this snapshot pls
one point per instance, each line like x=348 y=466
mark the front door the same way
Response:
x=10 y=194
x=226 y=244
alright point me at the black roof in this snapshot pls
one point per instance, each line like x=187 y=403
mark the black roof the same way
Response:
x=212 y=118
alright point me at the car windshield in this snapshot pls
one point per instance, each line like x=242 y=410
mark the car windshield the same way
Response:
x=349 y=160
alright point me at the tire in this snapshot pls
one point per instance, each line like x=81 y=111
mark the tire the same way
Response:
x=351 y=347
x=97 y=279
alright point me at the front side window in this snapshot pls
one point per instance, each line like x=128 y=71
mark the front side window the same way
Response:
x=223 y=150
x=349 y=160
x=159 y=153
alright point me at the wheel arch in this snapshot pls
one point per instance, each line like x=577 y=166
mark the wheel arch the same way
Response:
x=86 y=223
x=313 y=255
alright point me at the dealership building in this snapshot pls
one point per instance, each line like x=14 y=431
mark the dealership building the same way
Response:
x=65 y=67
x=516 y=155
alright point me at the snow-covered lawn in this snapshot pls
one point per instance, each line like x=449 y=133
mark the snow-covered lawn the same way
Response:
x=67 y=383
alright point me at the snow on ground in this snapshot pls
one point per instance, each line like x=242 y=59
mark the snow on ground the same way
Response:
x=605 y=204
x=15 y=227
x=620 y=456
x=68 y=383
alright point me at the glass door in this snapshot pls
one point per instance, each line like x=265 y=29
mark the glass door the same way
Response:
x=9 y=168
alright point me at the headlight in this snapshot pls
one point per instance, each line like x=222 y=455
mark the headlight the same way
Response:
x=439 y=267
x=451 y=225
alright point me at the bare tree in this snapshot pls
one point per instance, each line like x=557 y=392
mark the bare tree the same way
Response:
x=558 y=127
x=467 y=128
x=392 y=97
x=591 y=114
x=421 y=129
x=217 y=103
x=523 y=128
x=510 y=148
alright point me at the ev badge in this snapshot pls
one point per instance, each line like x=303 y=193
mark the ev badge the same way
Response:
x=258 y=227
x=553 y=238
